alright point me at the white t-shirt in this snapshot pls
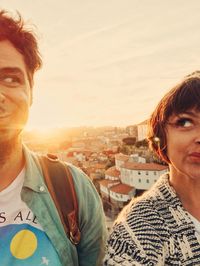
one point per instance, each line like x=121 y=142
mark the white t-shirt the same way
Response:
x=22 y=239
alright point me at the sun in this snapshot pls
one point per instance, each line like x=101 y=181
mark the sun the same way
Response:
x=23 y=244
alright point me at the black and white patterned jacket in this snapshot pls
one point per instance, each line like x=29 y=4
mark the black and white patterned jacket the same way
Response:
x=154 y=230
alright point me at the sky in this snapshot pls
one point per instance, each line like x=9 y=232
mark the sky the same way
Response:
x=108 y=62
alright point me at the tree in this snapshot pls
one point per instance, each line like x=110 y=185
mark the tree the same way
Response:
x=129 y=141
x=141 y=143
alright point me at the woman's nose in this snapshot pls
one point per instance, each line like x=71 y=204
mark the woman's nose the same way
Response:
x=197 y=138
x=198 y=141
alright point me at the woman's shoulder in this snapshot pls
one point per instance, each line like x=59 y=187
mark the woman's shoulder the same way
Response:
x=151 y=208
x=138 y=230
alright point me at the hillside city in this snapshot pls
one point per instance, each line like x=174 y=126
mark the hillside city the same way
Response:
x=117 y=160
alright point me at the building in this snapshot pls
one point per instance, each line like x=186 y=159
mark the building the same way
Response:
x=141 y=175
x=120 y=194
x=120 y=159
x=132 y=130
x=130 y=176
x=112 y=173
x=105 y=186
x=142 y=130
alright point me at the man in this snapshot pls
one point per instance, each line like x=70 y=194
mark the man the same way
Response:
x=31 y=232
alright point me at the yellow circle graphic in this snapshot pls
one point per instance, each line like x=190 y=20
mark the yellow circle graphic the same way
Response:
x=23 y=244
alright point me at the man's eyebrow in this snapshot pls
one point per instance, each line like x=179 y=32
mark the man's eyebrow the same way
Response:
x=11 y=70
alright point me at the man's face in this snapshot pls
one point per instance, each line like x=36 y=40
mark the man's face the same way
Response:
x=15 y=89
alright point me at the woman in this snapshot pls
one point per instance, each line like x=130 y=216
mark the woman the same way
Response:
x=162 y=227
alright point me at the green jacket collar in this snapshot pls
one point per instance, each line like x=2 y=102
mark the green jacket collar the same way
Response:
x=33 y=178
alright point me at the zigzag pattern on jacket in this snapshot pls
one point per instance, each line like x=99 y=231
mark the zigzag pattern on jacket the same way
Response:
x=154 y=229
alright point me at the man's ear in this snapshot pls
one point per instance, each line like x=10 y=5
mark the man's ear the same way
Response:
x=31 y=96
x=31 y=84
x=31 y=92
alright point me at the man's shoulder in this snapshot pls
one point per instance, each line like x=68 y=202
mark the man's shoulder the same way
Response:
x=84 y=186
x=79 y=177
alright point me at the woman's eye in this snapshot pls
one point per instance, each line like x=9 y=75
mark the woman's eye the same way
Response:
x=184 y=122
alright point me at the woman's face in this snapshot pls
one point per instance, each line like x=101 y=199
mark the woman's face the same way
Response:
x=183 y=144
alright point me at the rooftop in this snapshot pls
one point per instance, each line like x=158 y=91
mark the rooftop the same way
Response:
x=121 y=157
x=144 y=166
x=121 y=189
x=106 y=182
x=99 y=165
x=112 y=171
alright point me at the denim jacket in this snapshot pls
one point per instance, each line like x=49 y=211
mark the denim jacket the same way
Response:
x=90 y=250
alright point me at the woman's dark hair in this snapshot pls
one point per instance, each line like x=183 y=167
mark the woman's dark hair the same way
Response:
x=22 y=39
x=183 y=97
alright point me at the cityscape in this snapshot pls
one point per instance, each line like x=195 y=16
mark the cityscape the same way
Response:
x=117 y=160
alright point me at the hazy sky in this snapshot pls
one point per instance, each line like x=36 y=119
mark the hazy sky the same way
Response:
x=108 y=62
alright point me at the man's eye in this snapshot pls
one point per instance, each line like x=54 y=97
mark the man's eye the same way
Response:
x=10 y=80
x=184 y=122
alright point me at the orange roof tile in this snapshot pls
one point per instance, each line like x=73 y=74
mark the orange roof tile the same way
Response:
x=144 y=166
x=121 y=189
x=112 y=171
x=106 y=182
x=121 y=157
x=99 y=166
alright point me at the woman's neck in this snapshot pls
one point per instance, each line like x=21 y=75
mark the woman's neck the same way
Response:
x=188 y=191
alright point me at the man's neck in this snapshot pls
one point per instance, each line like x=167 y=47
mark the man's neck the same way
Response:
x=11 y=161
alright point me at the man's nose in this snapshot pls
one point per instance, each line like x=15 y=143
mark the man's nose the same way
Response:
x=2 y=97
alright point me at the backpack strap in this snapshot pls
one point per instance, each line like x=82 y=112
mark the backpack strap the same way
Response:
x=60 y=184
